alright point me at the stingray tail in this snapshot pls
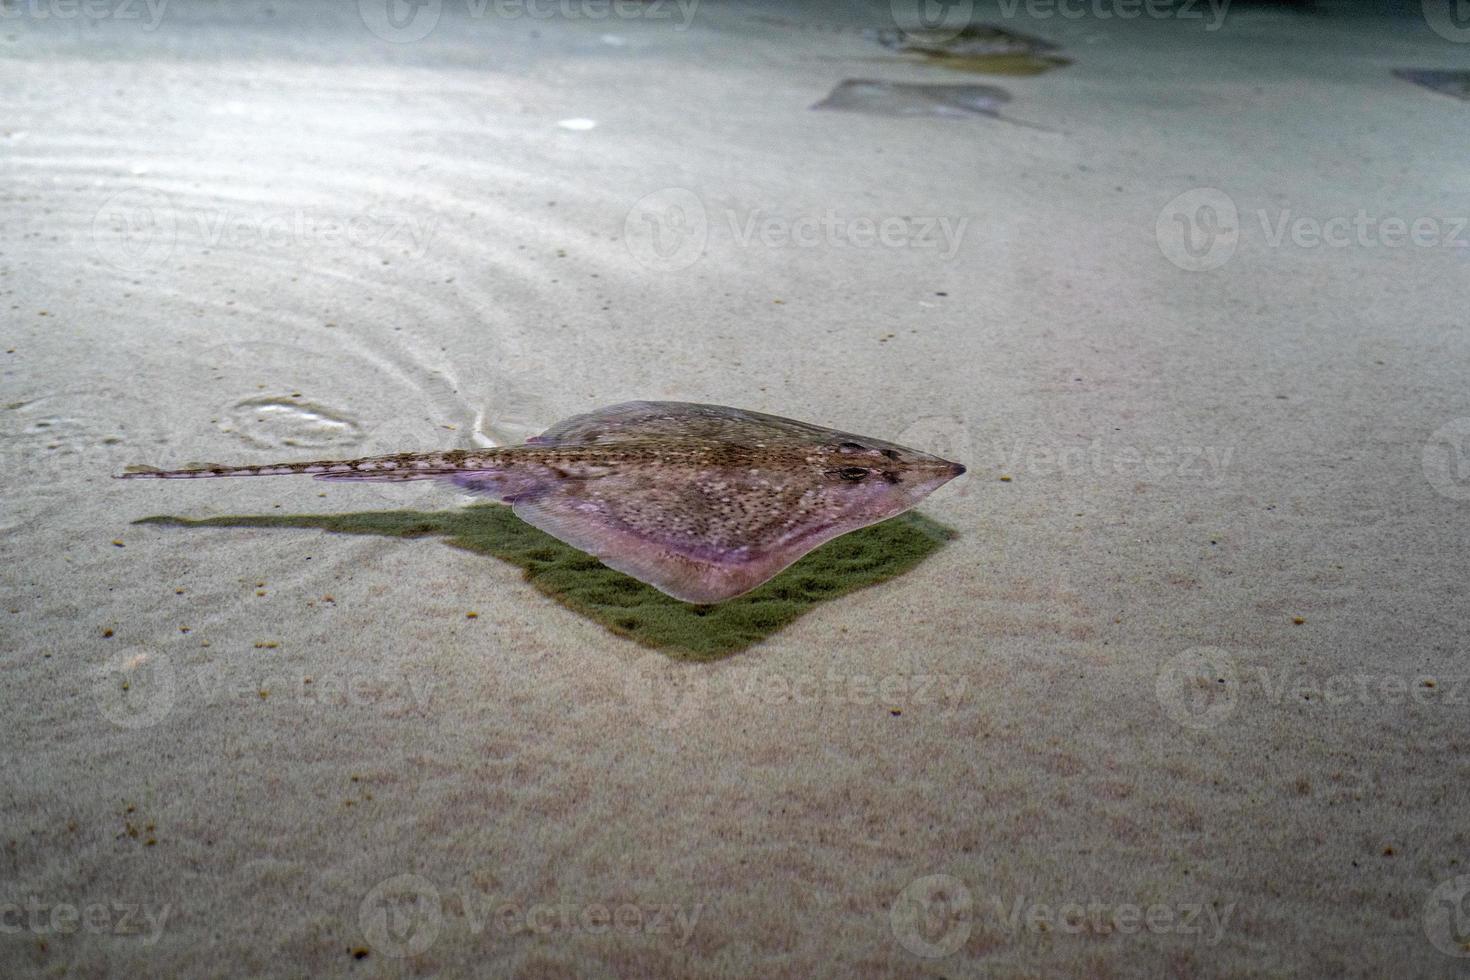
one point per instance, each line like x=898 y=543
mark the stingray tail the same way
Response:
x=1028 y=125
x=411 y=466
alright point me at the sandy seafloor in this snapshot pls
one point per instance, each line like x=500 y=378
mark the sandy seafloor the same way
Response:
x=1197 y=459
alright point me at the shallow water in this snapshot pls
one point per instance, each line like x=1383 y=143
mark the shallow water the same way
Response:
x=1197 y=643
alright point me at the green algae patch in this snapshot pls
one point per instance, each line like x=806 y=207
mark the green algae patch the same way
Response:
x=624 y=605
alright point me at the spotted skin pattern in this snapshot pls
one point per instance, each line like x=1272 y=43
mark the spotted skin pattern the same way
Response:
x=703 y=502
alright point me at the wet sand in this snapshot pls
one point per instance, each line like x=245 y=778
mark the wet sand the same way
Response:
x=1185 y=695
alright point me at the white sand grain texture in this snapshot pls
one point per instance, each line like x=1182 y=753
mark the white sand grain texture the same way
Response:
x=258 y=231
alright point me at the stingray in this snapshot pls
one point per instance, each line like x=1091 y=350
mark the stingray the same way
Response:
x=914 y=99
x=1452 y=83
x=973 y=39
x=978 y=47
x=702 y=502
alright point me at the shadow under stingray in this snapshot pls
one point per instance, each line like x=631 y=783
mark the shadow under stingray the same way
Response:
x=625 y=605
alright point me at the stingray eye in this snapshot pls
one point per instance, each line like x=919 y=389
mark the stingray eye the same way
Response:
x=853 y=474
x=851 y=447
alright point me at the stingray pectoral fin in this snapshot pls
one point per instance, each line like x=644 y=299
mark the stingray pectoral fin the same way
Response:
x=687 y=577
x=611 y=423
x=504 y=484
x=652 y=421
